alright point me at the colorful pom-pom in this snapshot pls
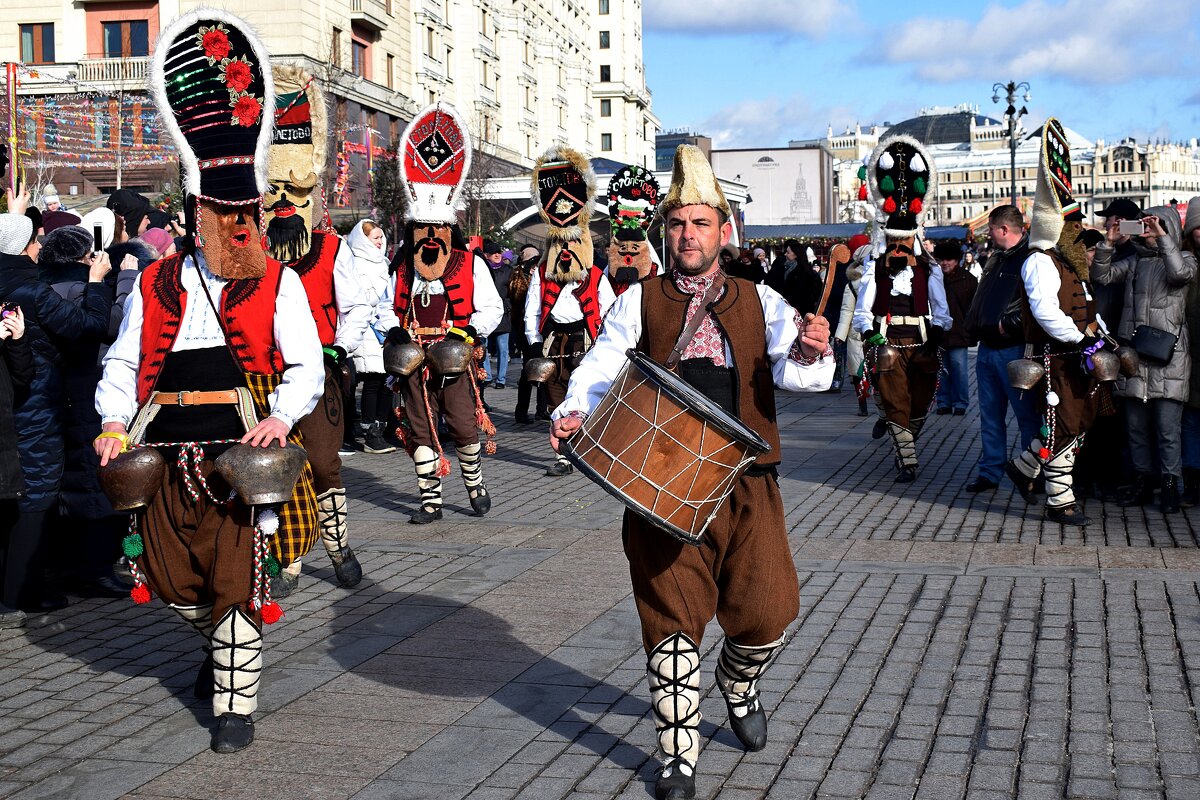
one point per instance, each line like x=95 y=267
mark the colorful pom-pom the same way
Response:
x=140 y=594
x=132 y=545
x=887 y=184
x=919 y=186
x=1044 y=432
x=1044 y=453
x=886 y=161
x=273 y=566
x=915 y=205
x=862 y=172
x=1051 y=398
x=268 y=521
x=443 y=467
x=862 y=192
x=889 y=205
x=917 y=164
x=271 y=613
x=489 y=447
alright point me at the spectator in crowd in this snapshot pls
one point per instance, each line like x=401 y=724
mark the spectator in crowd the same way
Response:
x=794 y=278
x=50 y=322
x=971 y=265
x=727 y=257
x=1110 y=299
x=16 y=372
x=994 y=319
x=1155 y=278
x=162 y=242
x=743 y=266
x=953 y=394
x=502 y=269
x=35 y=217
x=850 y=339
x=50 y=199
x=106 y=220
x=368 y=246
x=518 y=289
x=132 y=210
x=84 y=513
x=1190 y=432
x=53 y=220
x=763 y=264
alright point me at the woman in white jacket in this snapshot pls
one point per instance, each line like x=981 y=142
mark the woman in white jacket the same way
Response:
x=845 y=331
x=368 y=245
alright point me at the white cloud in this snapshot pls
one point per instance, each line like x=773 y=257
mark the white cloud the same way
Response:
x=772 y=122
x=1083 y=41
x=719 y=17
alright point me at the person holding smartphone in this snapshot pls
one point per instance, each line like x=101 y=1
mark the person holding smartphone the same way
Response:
x=16 y=372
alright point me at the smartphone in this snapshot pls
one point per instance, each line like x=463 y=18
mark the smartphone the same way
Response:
x=7 y=309
x=97 y=239
x=1131 y=227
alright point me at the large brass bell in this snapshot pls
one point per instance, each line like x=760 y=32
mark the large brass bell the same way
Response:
x=1025 y=374
x=1129 y=360
x=131 y=480
x=262 y=475
x=1106 y=366
x=449 y=356
x=402 y=359
x=539 y=370
x=886 y=358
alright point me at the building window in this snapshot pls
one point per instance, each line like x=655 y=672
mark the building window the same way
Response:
x=606 y=108
x=605 y=40
x=449 y=63
x=484 y=27
x=606 y=142
x=603 y=6
x=528 y=52
x=391 y=67
x=126 y=39
x=605 y=73
x=37 y=43
x=360 y=58
x=429 y=41
x=335 y=48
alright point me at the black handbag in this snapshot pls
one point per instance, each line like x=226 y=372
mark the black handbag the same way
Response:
x=1154 y=345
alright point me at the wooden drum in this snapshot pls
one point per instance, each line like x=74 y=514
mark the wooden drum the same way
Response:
x=664 y=449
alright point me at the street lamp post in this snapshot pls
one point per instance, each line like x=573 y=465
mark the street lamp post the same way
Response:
x=1010 y=90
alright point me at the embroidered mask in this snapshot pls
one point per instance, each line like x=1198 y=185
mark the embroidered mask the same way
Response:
x=629 y=260
x=569 y=259
x=233 y=246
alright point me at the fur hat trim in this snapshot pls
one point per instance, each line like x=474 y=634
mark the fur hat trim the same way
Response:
x=300 y=143
x=900 y=174
x=693 y=183
x=563 y=188
x=1053 y=200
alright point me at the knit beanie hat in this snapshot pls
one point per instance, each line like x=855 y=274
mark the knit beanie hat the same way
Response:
x=157 y=238
x=16 y=230
x=1193 y=217
x=66 y=245
x=53 y=220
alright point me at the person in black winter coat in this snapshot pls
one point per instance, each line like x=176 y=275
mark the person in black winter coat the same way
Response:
x=794 y=278
x=50 y=322
x=16 y=372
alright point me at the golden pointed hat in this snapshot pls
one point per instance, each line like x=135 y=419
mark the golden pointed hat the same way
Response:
x=693 y=183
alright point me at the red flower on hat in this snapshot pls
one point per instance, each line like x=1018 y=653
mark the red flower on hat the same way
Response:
x=238 y=75
x=215 y=43
x=246 y=110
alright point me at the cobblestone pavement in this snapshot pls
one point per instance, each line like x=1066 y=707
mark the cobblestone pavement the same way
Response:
x=949 y=646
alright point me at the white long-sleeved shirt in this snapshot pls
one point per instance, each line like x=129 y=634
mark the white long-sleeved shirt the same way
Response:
x=623 y=329
x=1042 y=284
x=939 y=309
x=354 y=310
x=566 y=308
x=295 y=336
x=489 y=308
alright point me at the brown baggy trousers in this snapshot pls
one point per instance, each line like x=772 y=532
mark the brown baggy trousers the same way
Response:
x=905 y=391
x=323 y=431
x=742 y=572
x=198 y=551
x=456 y=401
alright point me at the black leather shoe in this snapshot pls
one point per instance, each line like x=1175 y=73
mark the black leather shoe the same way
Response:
x=481 y=501
x=44 y=605
x=559 y=468
x=542 y=414
x=524 y=419
x=234 y=732
x=981 y=484
x=751 y=727
x=862 y=411
x=676 y=781
x=283 y=584
x=1141 y=493
x=906 y=474
x=880 y=428
x=204 y=688
x=1070 y=514
x=960 y=412
x=1168 y=495
x=1024 y=485
x=943 y=411
x=423 y=516
x=347 y=569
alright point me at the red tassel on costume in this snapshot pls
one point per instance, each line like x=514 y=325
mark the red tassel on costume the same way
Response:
x=889 y=205
x=915 y=206
x=489 y=447
x=443 y=467
x=862 y=192
x=140 y=594
x=1044 y=453
x=271 y=613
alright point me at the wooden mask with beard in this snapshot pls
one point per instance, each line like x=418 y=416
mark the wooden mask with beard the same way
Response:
x=431 y=250
x=230 y=240
x=563 y=188
x=632 y=201
x=899 y=255
x=289 y=205
x=569 y=260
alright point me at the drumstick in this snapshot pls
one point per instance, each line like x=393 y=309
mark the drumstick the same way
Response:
x=840 y=254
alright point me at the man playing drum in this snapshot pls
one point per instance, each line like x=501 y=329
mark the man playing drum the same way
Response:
x=749 y=342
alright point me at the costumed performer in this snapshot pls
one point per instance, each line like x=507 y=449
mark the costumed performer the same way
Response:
x=632 y=202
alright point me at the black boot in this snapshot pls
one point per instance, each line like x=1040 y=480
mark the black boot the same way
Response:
x=283 y=584
x=1168 y=496
x=374 y=441
x=481 y=501
x=234 y=732
x=1191 y=488
x=1070 y=514
x=346 y=568
x=880 y=428
x=1140 y=493
x=424 y=515
x=676 y=781
x=203 y=690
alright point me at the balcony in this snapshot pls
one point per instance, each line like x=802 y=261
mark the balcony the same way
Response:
x=104 y=74
x=370 y=14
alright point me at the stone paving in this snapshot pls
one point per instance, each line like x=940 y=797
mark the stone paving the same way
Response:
x=949 y=646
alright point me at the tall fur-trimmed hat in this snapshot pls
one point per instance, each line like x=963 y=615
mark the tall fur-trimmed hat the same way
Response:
x=563 y=187
x=211 y=82
x=693 y=183
x=435 y=158
x=900 y=175
x=633 y=195
x=299 y=149
x=1053 y=200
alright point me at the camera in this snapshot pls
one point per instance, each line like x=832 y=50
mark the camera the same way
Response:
x=1131 y=227
x=8 y=309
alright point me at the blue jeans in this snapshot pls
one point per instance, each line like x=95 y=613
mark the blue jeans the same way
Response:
x=498 y=343
x=953 y=390
x=996 y=394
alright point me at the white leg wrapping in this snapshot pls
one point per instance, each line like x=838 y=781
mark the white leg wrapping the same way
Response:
x=1059 y=480
x=237 y=663
x=199 y=617
x=425 y=459
x=905 y=444
x=1027 y=462
x=673 y=672
x=470 y=461
x=331 y=514
x=738 y=671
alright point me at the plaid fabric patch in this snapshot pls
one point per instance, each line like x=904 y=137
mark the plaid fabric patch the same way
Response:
x=298 y=530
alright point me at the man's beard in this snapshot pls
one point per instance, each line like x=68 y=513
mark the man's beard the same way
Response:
x=288 y=238
x=430 y=262
x=224 y=258
x=704 y=262
x=575 y=266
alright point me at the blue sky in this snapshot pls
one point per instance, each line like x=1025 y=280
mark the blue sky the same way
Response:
x=754 y=73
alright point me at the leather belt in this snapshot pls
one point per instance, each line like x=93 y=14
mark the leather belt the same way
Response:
x=428 y=331
x=228 y=397
x=898 y=320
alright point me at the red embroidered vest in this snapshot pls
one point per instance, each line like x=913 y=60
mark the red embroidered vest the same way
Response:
x=587 y=293
x=316 y=273
x=883 y=291
x=459 y=282
x=247 y=312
